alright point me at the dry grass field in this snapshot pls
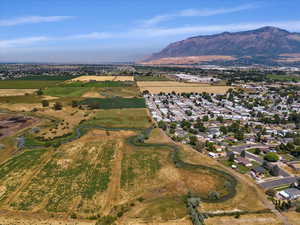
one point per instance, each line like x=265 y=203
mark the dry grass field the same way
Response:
x=246 y=198
x=293 y=217
x=69 y=118
x=260 y=219
x=155 y=87
x=16 y=92
x=15 y=218
x=103 y=172
x=104 y=78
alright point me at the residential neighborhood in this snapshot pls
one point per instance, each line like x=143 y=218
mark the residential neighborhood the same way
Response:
x=251 y=129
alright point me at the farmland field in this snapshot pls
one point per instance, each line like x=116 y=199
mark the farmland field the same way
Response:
x=104 y=78
x=65 y=91
x=101 y=159
x=114 y=103
x=27 y=84
x=125 y=118
x=155 y=87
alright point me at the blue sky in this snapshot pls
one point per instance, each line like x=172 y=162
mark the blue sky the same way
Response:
x=94 y=31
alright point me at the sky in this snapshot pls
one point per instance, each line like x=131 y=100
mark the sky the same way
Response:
x=98 y=31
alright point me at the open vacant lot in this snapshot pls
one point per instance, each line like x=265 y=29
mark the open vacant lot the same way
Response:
x=155 y=87
x=103 y=78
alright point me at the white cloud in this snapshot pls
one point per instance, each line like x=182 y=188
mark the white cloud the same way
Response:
x=94 y=35
x=144 y=33
x=32 y=20
x=195 y=12
x=22 y=41
x=211 y=29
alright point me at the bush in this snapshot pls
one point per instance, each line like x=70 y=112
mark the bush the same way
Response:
x=271 y=157
x=213 y=195
x=39 y=92
x=57 y=106
x=106 y=220
x=45 y=103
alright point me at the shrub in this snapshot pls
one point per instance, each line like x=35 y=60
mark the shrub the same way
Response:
x=57 y=106
x=271 y=157
x=45 y=103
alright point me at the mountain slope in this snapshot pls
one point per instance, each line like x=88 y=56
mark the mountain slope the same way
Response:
x=266 y=42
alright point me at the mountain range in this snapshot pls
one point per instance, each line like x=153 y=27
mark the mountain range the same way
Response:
x=269 y=45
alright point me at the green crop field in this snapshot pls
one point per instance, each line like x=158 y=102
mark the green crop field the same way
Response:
x=283 y=77
x=27 y=84
x=48 y=78
x=127 y=118
x=151 y=78
x=21 y=99
x=66 y=91
x=114 y=103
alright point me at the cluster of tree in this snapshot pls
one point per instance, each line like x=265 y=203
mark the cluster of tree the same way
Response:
x=237 y=129
x=292 y=148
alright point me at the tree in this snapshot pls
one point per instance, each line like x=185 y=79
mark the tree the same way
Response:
x=205 y=118
x=45 y=103
x=220 y=119
x=239 y=135
x=193 y=140
x=271 y=157
x=257 y=151
x=162 y=125
x=58 y=106
x=74 y=104
x=297 y=140
x=214 y=195
x=275 y=171
x=199 y=146
x=243 y=154
x=231 y=157
x=40 y=92
x=224 y=130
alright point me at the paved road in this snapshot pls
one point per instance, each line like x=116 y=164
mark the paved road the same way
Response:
x=279 y=182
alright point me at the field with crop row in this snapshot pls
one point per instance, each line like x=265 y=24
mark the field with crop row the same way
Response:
x=155 y=87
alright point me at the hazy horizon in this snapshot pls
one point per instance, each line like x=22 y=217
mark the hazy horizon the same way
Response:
x=76 y=32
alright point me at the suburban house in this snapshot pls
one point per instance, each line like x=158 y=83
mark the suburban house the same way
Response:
x=290 y=193
x=259 y=171
x=243 y=161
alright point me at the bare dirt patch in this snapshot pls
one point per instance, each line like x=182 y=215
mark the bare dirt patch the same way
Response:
x=91 y=94
x=11 y=124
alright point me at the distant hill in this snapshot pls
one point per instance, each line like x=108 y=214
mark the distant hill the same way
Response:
x=264 y=44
